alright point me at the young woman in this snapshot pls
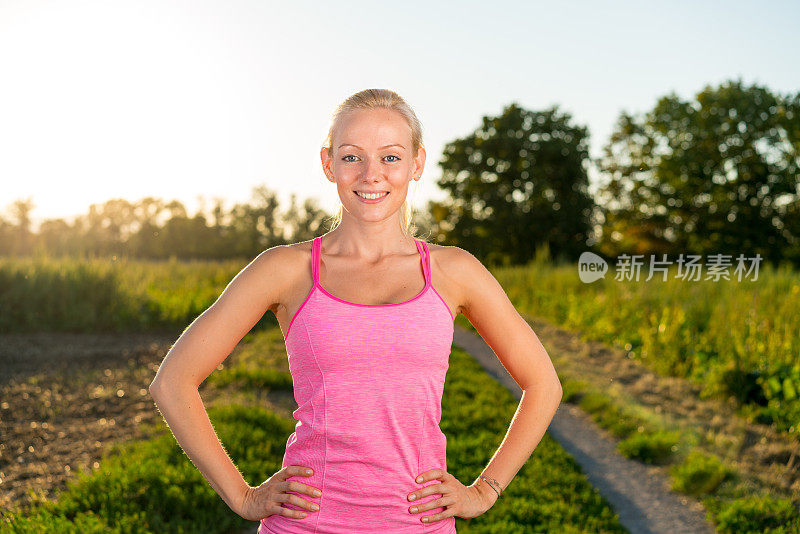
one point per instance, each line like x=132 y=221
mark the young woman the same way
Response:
x=367 y=313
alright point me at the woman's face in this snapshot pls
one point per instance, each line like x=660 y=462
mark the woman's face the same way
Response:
x=372 y=154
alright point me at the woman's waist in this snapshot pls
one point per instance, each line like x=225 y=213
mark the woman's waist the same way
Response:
x=351 y=501
x=368 y=444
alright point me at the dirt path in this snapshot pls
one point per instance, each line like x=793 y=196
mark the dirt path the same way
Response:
x=65 y=397
x=640 y=496
x=762 y=456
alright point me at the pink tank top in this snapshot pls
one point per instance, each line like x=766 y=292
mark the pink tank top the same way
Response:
x=368 y=381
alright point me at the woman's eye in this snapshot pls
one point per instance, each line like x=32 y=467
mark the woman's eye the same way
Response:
x=344 y=158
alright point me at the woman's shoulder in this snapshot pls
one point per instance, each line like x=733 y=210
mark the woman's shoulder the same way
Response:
x=280 y=266
x=281 y=254
x=290 y=258
x=275 y=273
x=299 y=247
x=456 y=264
x=449 y=255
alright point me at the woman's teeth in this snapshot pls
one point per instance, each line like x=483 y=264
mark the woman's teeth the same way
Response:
x=371 y=196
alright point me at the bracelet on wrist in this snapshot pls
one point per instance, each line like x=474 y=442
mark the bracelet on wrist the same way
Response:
x=492 y=483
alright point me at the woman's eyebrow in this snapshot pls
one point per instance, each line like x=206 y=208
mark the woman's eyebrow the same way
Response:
x=381 y=148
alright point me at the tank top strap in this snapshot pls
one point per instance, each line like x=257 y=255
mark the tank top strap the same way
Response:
x=315 y=254
x=426 y=260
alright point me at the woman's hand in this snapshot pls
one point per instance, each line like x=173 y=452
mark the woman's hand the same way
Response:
x=265 y=500
x=457 y=499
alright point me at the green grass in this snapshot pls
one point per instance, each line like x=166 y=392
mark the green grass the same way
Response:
x=734 y=338
x=102 y=295
x=759 y=514
x=699 y=474
x=728 y=499
x=549 y=494
x=151 y=486
x=650 y=448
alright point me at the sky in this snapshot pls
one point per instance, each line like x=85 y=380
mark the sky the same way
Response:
x=188 y=99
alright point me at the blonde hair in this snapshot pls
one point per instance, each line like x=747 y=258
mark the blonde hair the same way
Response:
x=379 y=99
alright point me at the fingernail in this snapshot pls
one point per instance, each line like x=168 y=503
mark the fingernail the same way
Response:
x=308 y=471
x=412 y=497
x=302 y=514
x=317 y=493
x=315 y=507
x=419 y=479
x=413 y=508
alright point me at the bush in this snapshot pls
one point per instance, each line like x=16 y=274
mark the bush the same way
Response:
x=650 y=447
x=760 y=514
x=699 y=474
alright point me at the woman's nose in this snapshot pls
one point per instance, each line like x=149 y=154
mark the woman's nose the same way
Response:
x=373 y=171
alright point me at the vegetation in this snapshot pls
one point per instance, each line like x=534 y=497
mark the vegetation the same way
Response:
x=734 y=338
x=716 y=174
x=519 y=180
x=97 y=295
x=152 y=228
x=730 y=501
x=699 y=474
x=151 y=486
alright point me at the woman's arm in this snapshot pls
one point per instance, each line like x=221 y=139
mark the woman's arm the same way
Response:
x=485 y=304
x=198 y=351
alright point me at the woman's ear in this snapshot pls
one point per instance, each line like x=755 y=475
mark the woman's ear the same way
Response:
x=327 y=162
x=419 y=163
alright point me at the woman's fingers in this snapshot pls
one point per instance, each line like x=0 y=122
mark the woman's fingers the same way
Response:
x=288 y=512
x=296 y=470
x=293 y=485
x=437 y=517
x=299 y=501
x=427 y=490
x=298 y=487
x=285 y=496
x=430 y=505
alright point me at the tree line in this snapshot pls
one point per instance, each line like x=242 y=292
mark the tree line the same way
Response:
x=719 y=173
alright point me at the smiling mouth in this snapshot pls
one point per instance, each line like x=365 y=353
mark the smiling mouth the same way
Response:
x=371 y=196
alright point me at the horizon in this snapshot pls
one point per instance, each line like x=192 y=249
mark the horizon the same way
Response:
x=217 y=99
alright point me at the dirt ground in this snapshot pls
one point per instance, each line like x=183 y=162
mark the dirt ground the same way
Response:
x=65 y=397
x=762 y=455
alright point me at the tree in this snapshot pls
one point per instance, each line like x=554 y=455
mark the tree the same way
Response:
x=302 y=223
x=255 y=225
x=21 y=236
x=718 y=174
x=516 y=183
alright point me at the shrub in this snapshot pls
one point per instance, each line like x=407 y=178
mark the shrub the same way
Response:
x=649 y=447
x=699 y=474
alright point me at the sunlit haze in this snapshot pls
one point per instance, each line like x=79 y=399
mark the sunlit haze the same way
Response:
x=178 y=100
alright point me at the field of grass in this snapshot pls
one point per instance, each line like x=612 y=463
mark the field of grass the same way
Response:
x=104 y=295
x=734 y=503
x=735 y=338
x=151 y=486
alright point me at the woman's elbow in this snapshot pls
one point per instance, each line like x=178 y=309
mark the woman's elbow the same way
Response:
x=156 y=389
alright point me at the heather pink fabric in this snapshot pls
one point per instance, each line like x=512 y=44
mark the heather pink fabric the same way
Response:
x=368 y=381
